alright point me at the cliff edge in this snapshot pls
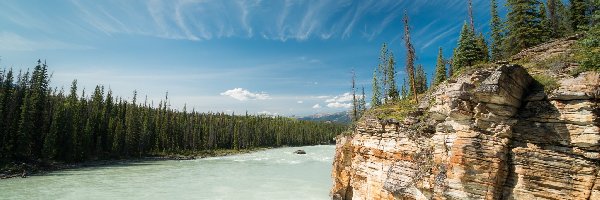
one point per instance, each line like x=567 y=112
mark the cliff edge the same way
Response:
x=527 y=130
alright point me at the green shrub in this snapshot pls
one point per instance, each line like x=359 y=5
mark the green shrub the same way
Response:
x=547 y=82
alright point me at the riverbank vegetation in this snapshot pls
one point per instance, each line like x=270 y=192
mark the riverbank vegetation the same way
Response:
x=39 y=123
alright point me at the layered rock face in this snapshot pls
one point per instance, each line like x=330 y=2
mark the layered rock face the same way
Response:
x=489 y=134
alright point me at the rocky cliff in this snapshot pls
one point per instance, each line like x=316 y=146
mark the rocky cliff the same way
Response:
x=527 y=130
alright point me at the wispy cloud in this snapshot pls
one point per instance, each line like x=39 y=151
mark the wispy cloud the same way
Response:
x=13 y=42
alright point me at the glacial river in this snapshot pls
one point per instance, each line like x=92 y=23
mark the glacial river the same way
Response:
x=270 y=174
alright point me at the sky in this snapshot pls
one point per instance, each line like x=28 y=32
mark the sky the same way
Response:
x=281 y=57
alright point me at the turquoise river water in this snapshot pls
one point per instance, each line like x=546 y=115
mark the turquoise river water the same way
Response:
x=270 y=174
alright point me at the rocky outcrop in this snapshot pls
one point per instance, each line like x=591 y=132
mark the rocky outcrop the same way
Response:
x=488 y=134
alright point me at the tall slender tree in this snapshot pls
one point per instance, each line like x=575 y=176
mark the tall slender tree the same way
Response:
x=376 y=97
x=392 y=90
x=410 y=57
x=421 y=79
x=440 y=69
x=472 y=22
x=354 y=100
x=545 y=24
x=497 y=27
x=362 y=104
x=382 y=67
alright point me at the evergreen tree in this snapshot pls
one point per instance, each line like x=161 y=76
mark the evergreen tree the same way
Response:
x=468 y=52
x=497 y=27
x=545 y=24
x=440 y=69
x=354 y=100
x=376 y=98
x=362 y=104
x=588 y=52
x=421 y=79
x=579 y=19
x=523 y=24
x=482 y=46
x=382 y=67
x=392 y=89
x=553 y=18
x=410 y=58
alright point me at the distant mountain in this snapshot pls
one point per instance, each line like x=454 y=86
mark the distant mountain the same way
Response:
x=340 y=117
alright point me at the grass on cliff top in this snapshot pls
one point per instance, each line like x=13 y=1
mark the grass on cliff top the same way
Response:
x=398 y=109
x=471 y=69
x=547 y=82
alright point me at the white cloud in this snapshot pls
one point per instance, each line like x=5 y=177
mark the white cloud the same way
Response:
x=343 y=98
x=316 y=106
x=300 y=102
x=339 y=105
x=243 y=95
x=264 y=112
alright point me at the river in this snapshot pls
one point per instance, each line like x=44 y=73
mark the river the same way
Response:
x=270 y=174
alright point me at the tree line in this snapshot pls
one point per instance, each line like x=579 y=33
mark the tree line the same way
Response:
x=527 y=23
x=40 y=122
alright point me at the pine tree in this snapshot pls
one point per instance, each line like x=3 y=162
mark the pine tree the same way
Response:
x=468 y=52
x=579 y=19
x=362 y=104
x=421 y=79
x=440 y=69
x=553 y=18
x=410 y=58
x=484 y=55
x=376 y=98
x=545 y=25
x=392 y=89
x=354 y=100
x=497 y=27
x=588 y=51
x=382 y=67
x=523 y=24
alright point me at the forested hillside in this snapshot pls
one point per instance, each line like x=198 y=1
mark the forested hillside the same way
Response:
x=40 y=122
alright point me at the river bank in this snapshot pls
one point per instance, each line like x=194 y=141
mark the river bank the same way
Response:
x=14 y=169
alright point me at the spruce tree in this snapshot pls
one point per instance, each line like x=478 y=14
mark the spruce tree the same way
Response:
x=482 y=46
x=354 y=100
x=545 y=24
x=362 y=104
x=523 y=24
x=392 y=89
x=376 y=97
x=579 y=19
x=382 y=67
x=440 y=69
x=497 y=27
x=468 y=52
x=421 y=79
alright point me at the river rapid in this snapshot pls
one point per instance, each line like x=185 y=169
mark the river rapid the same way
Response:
x=270 y=174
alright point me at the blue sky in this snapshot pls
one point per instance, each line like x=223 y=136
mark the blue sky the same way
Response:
x=290 y=57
